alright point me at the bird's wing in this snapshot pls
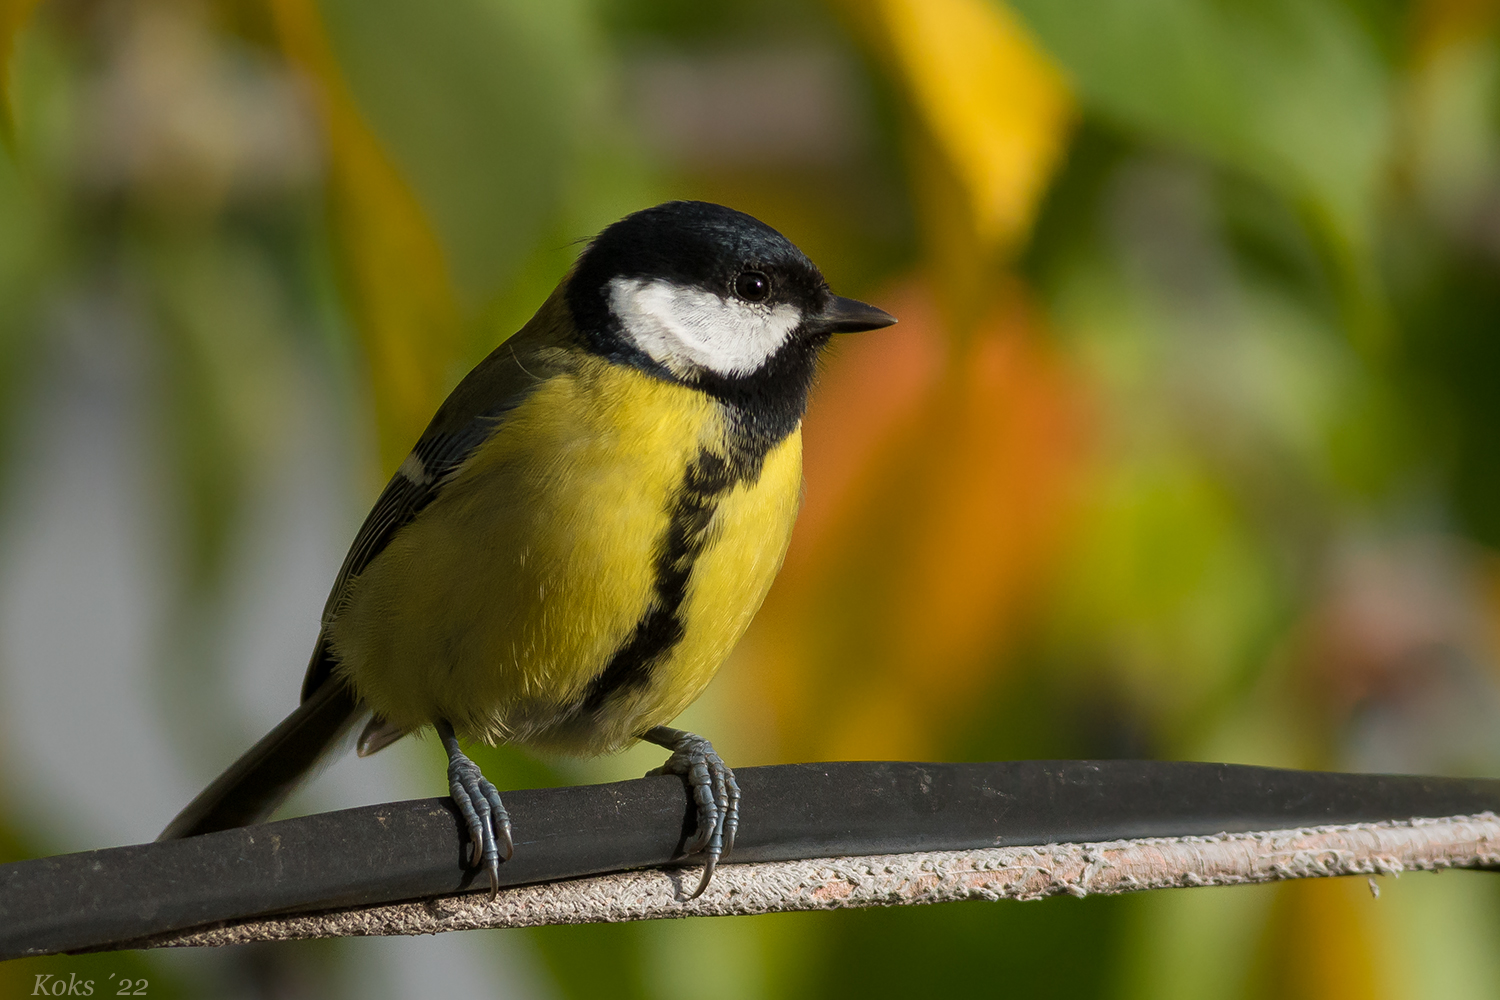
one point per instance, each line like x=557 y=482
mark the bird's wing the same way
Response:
x=479 y=404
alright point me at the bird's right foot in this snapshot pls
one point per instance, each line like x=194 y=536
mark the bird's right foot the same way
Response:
x=478 y=802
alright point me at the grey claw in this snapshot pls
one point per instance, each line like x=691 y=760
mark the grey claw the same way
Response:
x=493 y=867
x=708 y=874
x=731 y=811
x=479 y=803
x=507 y=846
x=716 y=795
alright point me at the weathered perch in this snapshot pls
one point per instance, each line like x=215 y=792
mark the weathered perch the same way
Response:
x=811 y=836
x=911 y=879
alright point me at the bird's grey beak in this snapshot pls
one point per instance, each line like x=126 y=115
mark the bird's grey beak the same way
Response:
x=850 y=316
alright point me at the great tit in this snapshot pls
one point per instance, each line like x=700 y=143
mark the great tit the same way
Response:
x=582 y=533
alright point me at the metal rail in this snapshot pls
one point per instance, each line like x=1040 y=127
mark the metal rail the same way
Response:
x=115 y=897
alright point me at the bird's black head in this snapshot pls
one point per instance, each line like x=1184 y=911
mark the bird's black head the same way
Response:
x=713 y=298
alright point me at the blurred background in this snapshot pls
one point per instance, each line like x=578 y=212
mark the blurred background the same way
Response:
x=1187 y=445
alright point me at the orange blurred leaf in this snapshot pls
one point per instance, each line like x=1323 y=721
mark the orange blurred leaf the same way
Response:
x=939 y=480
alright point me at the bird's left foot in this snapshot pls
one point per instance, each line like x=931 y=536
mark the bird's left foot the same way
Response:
x=478 y=802
x=715 y=794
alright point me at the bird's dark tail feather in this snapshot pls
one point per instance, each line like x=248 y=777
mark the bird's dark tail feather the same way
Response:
x=269 y=772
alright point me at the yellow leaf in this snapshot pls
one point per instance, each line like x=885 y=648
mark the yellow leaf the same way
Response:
x=1321 y=943
x=13 y=16
x=1439 y=24
x=402 y=295
x=996 y=105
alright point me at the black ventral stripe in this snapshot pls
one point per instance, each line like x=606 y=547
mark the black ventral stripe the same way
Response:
x=709 y=477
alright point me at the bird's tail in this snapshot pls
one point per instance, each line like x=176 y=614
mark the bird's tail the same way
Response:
x=269 y=772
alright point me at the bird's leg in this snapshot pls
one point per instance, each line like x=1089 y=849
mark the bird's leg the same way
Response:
x=715 y=793
x=479 y=803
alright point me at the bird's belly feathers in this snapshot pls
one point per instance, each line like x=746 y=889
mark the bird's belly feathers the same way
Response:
x=582 y=577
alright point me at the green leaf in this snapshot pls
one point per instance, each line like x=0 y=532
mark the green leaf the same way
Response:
x=479 y=103
x=1292 y=91
x=452 y=131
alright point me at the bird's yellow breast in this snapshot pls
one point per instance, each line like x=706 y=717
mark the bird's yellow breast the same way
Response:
x=582 y=576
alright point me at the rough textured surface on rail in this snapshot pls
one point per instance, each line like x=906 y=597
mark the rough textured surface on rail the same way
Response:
x=399 y=851
x=908 y=879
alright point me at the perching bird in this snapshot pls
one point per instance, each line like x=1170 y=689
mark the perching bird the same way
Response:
x=582 y=533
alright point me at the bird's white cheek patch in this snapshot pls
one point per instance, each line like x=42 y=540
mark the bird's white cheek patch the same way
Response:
x=686 y=328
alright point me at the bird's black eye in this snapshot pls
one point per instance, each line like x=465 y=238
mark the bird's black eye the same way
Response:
x=752 y=286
